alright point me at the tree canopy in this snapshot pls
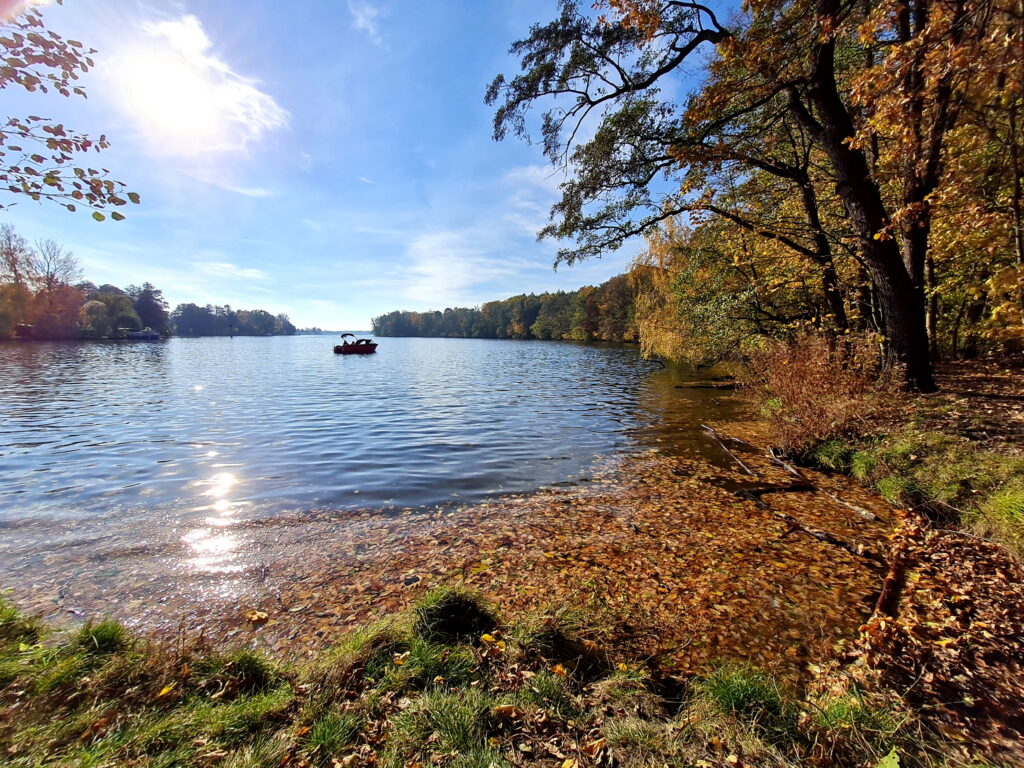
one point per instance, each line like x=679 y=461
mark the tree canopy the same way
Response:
x=41 y=159
x=832 y=140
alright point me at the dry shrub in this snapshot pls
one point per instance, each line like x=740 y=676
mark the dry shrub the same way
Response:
x=816 y=388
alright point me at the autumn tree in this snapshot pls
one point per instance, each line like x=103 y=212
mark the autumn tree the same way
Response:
x=869 y=92
x=41 y=159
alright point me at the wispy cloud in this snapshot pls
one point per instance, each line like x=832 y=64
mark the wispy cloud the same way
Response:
x=227 y=269
x=365 y=180
x=248 y=191
x=365 y=17
x=185 y=100
x=442 y=268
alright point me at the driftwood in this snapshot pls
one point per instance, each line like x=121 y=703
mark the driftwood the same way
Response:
x=828 y=538
x=755 y=494
x=852 y=507
x=707 y=385
x=778 y=461
x=714 y=435
x=892 y=587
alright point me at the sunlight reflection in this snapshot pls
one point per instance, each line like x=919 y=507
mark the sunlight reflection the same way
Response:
x=220 y=484
x=215 y=551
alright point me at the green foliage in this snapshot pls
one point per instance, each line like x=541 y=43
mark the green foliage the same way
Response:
x=235 y=722
x=150 y=706
x=16 y=627
x=193 y=320
x=428 y=663
x=331 y=733
x=832 y=454
x=751 y=694
x=853 y=723
x=459 y=720
x=105 y=637
x=551 y=692
x=604 y=313
x=235 y=672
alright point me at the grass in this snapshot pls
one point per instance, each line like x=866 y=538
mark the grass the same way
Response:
x=405 y=693
x=753 y=696
x=951 y=478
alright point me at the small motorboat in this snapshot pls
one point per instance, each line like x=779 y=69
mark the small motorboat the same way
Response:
x=355 y=346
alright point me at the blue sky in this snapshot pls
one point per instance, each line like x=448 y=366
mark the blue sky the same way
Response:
x=331 y=159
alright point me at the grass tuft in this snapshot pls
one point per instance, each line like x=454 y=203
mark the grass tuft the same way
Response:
x=452 y=614
x=103 y=638
x=331 y=733
x=751 y=694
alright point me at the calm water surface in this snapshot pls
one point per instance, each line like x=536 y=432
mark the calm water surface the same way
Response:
x=103 y=444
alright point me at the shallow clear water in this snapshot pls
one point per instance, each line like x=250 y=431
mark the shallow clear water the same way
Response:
x=103 y=442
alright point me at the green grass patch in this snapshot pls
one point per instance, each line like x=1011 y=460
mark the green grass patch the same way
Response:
x=102 y=638
x=752 y=695
x=450 y=614
x=97 y=697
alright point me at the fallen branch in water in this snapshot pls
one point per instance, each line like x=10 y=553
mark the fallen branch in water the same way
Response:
x=714 y=435
x=755 y=494
x=778 y=461
x=828 y=538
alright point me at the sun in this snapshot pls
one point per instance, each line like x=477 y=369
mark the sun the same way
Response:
x=174 y=103
x=183 y=98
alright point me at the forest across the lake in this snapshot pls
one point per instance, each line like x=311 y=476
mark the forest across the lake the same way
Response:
x=43 y=296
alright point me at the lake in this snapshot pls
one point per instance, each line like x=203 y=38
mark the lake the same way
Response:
x=108 y=448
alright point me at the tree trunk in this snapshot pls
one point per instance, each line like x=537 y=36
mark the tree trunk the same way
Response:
x=823 y=250
x=902 y=307
x=932 y=319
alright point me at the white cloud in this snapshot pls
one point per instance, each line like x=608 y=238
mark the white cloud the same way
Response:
x=365 y=180
x=365 y=17
x=443 y=267
x=226 y=269
x=248 y=191
x=184 y=100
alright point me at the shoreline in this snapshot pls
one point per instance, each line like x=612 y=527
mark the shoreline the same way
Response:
x=718 y=560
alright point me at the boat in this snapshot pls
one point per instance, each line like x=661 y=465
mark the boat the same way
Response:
x=355 y=347
x=146 y=334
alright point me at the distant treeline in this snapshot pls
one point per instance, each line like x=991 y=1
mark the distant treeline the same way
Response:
x=193 y=320
x=42 y=296
x=602 y=313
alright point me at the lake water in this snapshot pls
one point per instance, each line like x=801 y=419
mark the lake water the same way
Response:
x=106 y=443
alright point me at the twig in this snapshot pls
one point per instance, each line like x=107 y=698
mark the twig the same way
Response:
x=828 y=538
x=777 y=460
x=734 y=457
x=859 y=510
